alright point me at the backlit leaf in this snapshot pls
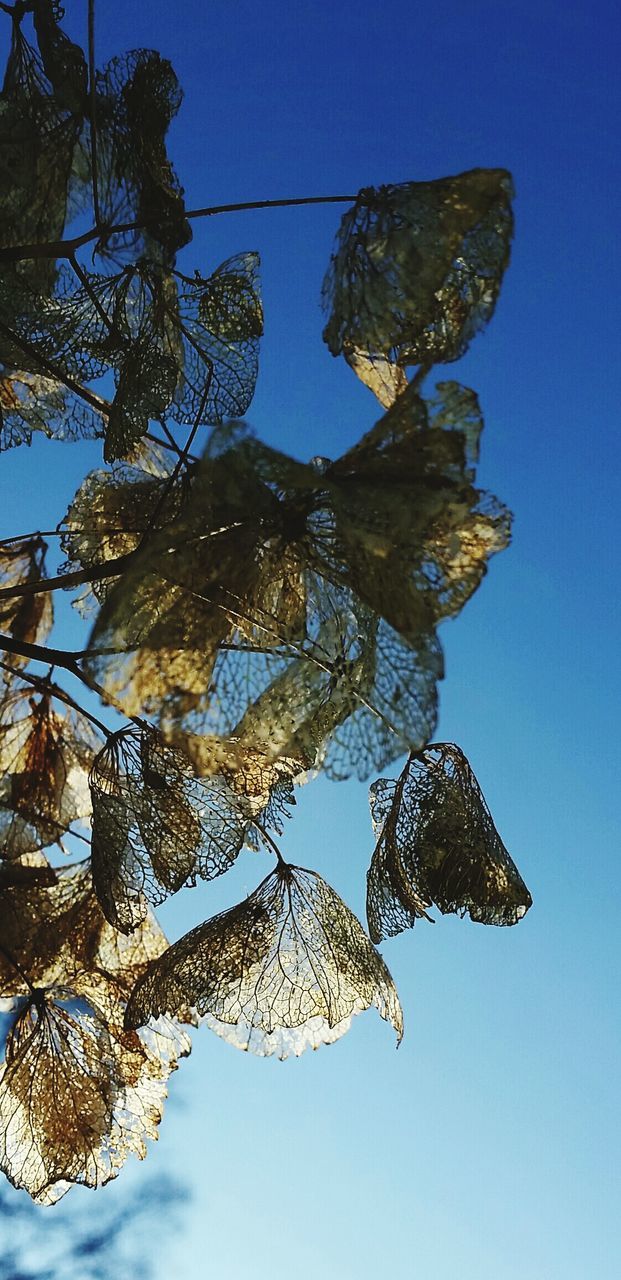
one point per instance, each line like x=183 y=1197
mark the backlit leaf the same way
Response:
x=156 y=827
x=417 y=268
x=45 y=756
x=437 y=843
x=284 y=971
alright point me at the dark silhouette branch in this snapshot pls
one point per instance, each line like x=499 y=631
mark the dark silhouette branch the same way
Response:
x=96 y=402
x=43 y=684
x=110 y=569
x=67 y=248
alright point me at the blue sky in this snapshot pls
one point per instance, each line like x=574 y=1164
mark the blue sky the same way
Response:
x=486 y=1148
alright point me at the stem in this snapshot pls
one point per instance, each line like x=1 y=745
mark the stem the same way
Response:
x=44 y=685
x=170 y=443
x=90 y=292
x=18 y=968
x=184 y=454
x=110 y=569
x=40 y=533
x=66 y=659
x=66 y=248
x=272 y=843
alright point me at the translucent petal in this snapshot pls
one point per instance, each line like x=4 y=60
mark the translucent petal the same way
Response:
x=45 y=756
x=417 y=268
x=156 y=827
x=437 y=843
x=28 y=618
x=284 y=971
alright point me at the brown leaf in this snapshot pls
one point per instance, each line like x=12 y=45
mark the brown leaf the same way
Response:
x=45 y=756
x=437 y=843
x=156 y=826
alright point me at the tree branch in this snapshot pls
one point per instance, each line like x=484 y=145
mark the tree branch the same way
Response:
x=109 y=569
x=44 y=685
x=67 y=248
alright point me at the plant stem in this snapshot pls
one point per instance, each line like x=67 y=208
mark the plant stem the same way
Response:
x=67 y=248
x=44 y=685
x=110 y=569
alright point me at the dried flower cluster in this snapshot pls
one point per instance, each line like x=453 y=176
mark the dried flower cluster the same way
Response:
x=253 y=619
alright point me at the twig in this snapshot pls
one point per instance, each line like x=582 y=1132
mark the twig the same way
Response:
x=95 y=401
x=44 y=685
x=109 y=569
x=66 y=248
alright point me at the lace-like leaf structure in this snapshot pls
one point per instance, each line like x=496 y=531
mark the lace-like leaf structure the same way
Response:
x=45 y=756
x=150 y=327
x=110 y=515
x=411 y=532
x=137 y=97
x=41 y=109
x=352 y=694
x=437 y=843
x=32 y=402
x=156 y=826
x=27 y=618
x=145 y=388
x=254 y=613
x=185 y=322
x=284 y=971
x=76 y=940
x=78 y=1093
x=417 y=270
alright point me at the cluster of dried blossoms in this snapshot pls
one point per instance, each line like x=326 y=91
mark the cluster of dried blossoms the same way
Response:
x=254 y=619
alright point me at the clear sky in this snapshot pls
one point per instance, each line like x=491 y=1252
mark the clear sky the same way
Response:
x=487 y=1147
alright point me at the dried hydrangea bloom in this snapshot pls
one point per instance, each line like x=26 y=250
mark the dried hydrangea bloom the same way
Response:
x=353 y=696
x=45 y=756
x=412 y=532
x=78 y=1093
x=437 y=843
x=282 y=972
x=28 y=618
x=158 y=312
x=156 y=826
x=417 y=268
x=220 y=323
x=260 y=540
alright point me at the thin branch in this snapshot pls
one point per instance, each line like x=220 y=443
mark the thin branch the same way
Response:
x=41 y=533
x=44 y=685
x=95 y=401
x=70 y=661
x=109 y=569
x=66 y=248
x=272 y=843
